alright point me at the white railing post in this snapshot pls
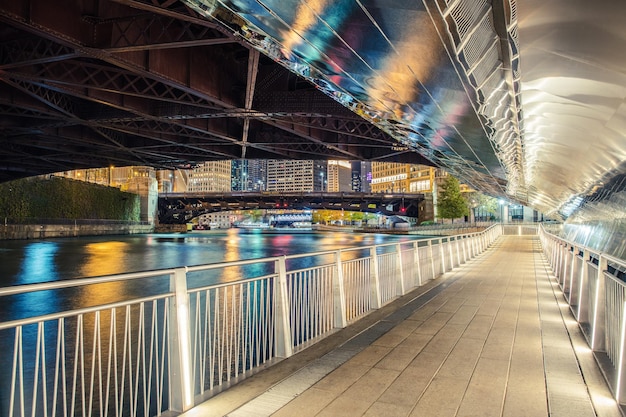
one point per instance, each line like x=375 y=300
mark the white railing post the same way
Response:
x=416 y=259
x=450 y=253
x=443 y=258
x=339 y=296
x=181 y=377
x=282 y=328
x=376 y=297
x=583 y=293
x=598 y=328
x=464 y=243
x=432 y=259
x=401 y=286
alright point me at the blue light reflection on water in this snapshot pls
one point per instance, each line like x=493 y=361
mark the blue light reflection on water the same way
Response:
x=27 y=262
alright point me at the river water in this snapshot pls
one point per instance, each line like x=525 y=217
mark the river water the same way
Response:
x=27 y=262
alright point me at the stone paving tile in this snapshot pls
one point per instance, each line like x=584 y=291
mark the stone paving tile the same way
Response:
x=361 y=395
x=462 y=360
x=308 y=404
x=485 y=392
x=464 y=315
x=479 y=327
x=434 y=323
x=370 y=356
x=381 y=409
x=406 y=388
x=398 y=358
x=441 y=398
x=342 y=378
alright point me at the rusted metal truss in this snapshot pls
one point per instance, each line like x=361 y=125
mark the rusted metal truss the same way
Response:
x=92 y=83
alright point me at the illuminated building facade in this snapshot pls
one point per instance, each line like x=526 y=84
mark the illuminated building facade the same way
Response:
x=285 y=175
x=391 y=177
x=339 y=176
x=214 y=176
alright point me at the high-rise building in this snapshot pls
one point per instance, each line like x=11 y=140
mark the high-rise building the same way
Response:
x=249 y=174
x=391 y=177
x=257 y=174
x=339 y=176
x=213 y=176
x=296 y=175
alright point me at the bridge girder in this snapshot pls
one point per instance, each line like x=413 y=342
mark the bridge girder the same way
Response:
x=181 y=208
x=153 y=83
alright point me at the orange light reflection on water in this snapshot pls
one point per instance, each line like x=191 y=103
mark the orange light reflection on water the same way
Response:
x=103 y=258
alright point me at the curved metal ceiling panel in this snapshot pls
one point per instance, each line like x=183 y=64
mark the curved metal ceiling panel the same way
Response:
x=574 y=92
x=387 y=62
x=448 y=79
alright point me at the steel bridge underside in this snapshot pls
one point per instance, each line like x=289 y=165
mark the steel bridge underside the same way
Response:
x=181 y=208
x=93 y=83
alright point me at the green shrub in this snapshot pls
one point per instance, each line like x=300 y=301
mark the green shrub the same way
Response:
x=62 y=198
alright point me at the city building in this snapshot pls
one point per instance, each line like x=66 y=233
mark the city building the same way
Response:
x=213 y=176
x=296 y=175
x=339 y=176
x=391 y=177
x=257 y=174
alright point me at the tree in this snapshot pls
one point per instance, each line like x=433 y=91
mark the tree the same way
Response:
x=451 y=203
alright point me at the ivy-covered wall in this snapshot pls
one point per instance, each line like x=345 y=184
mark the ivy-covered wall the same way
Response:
x=62 y=198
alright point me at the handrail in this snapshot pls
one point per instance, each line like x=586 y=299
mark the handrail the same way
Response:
x=194 y=340
x=597 y=299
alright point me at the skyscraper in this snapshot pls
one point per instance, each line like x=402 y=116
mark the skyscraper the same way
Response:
x=296 y=175
x=339 y=176
x=211 y=177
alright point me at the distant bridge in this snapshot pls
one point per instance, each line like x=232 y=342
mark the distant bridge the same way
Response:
x=180 y=208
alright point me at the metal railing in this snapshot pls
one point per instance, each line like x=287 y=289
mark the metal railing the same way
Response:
x=165 y=341
x=593 y=286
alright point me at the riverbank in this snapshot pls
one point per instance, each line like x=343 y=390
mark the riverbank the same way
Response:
x=44 y=231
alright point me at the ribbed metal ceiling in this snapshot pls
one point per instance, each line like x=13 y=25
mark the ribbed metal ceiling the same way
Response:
x=521 y=101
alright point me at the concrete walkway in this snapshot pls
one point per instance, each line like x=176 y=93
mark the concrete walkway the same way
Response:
x=491 y=338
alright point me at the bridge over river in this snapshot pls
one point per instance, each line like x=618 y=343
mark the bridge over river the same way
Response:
x=182 y=207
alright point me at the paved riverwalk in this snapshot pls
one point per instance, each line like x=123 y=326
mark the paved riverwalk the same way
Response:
x=491 y=338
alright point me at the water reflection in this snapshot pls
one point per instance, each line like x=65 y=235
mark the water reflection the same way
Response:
x=104 y=258
x=25 y=262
